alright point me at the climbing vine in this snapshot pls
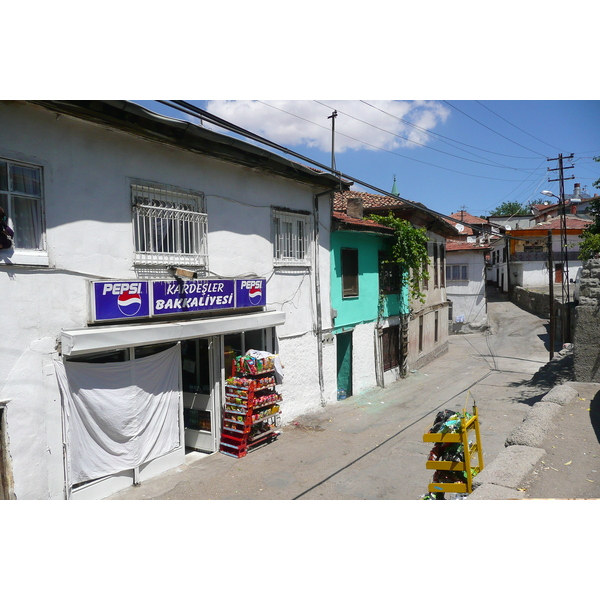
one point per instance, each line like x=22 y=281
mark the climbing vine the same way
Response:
x=409 y=251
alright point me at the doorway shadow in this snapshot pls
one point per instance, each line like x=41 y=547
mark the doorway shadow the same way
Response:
x=595 y=415
x=495 y=294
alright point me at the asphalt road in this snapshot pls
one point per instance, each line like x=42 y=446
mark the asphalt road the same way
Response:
x=370 y=446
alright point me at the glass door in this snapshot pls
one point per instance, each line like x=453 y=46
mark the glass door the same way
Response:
x=199 y=391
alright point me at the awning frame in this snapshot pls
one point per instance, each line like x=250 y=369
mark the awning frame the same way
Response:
x=75 y=342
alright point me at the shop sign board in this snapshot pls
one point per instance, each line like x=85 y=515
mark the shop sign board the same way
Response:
x=117 y=300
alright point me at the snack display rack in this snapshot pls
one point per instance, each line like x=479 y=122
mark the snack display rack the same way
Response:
x=451 y=440
x=251 y=410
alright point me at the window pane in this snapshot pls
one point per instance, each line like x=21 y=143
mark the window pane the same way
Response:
x=3 y=176
x=287 y=240
x=464 y=272
x=27 y=220
x=301 y=241
x=26 y=180
x=349 y=272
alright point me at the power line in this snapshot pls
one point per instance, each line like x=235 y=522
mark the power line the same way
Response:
x=492 y=130
x=195 y=111
x=525 y=132
x=390 y=151
x=439 y=135
x=487 y=164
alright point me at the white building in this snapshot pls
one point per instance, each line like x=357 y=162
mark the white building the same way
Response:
x=521 y=259
x=465 y=285
x=107 y=200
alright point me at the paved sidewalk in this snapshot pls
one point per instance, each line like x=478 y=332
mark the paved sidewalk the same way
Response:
x=571 y=466
x=369 y=446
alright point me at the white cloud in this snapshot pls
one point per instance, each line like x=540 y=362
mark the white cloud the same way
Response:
x=359 y=125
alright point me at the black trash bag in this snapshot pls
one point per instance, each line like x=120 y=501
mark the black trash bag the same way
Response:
x=440 y=419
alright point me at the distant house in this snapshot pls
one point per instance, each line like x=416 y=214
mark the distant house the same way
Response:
x=422 y=331
x=466 y=272
x=523 y=260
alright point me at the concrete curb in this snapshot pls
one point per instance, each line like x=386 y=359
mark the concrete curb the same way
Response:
x=500 y=479
x=491 y=491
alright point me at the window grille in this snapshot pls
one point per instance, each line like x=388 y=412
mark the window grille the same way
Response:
x=170 y=226
x=391 y=347
x=389 y=274
x=291 y=239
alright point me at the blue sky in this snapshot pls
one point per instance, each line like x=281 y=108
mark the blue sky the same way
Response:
x=444 y=154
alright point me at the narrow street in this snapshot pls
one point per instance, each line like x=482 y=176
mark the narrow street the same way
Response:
x=370 y=446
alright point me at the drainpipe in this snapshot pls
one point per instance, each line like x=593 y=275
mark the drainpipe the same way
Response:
x=319 y=327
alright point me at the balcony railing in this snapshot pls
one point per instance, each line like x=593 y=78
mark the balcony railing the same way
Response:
x=543 y=256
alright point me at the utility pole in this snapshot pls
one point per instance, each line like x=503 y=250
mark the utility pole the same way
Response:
x=551 y=289
x=566 y=323
x=332 y=117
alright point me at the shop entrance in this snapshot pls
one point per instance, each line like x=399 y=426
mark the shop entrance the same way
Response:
x=198 y=376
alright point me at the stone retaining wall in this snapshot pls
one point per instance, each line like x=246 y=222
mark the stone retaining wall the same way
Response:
x=586 y=339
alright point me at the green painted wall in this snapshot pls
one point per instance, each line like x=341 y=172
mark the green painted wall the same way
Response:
x=363 y=309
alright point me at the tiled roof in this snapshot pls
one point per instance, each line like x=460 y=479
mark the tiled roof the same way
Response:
x=354 y=223
x=571 y=222
x=413 y=211
x=370 y=201
x=465 y=217
x=452 y=245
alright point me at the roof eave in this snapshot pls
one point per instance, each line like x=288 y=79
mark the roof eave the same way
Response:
x=136 y=120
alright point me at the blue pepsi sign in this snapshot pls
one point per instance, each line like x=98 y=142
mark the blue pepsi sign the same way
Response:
x=120 y=300
x=116 y=300
x=251 y=292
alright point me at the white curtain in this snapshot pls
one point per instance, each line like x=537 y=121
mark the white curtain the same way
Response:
x=119 y=415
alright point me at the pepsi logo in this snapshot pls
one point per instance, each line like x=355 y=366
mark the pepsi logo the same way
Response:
x=129 y=304
x=255 y=295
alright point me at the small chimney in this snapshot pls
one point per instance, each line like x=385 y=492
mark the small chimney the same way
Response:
x=354 y=208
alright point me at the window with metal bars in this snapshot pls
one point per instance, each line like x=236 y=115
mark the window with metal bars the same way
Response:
x=291 y=238
x=170 y=225
x=389 y=274
x=391 y=347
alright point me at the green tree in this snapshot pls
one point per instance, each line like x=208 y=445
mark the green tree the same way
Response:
x=409 y=251
x=510 y=209
x=590 y=244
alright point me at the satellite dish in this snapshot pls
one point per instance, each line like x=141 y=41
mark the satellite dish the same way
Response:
x=508 y=228
x=460 y=227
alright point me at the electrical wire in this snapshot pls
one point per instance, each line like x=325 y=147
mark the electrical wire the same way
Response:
x=195 y=111
x=487 y=164
x=443 y=137
x=525 y=132
x=492 y=130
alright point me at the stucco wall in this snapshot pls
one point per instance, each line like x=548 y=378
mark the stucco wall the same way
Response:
x=469 y=307
x=87 y=171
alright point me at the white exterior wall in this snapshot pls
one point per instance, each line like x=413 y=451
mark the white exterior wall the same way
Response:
x=87 y=171
x=435 y=300
x=468 y=297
